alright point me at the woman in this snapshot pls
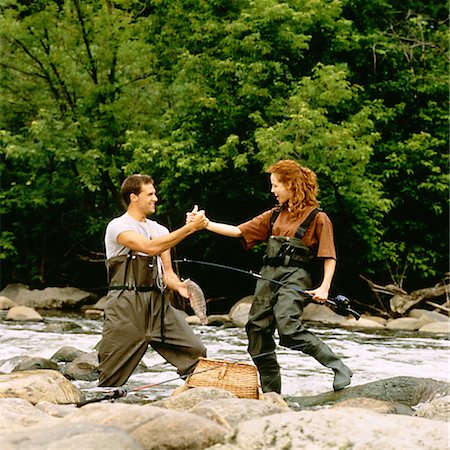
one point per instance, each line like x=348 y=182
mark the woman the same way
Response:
x=297 y=233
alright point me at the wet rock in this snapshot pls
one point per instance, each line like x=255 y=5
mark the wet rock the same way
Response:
x=407 y=391
x=94 y=314
x=363 y=322
x=39 y=385
x=23 y=313
x=426 y=316
x=67 y=354
x=35 y=363
x=62 y=327
x=239 y=312
x=83 y=367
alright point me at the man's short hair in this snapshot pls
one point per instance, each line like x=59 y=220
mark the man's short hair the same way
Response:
x=133 y=185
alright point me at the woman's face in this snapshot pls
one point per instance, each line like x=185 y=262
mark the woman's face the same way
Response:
x=281 y=192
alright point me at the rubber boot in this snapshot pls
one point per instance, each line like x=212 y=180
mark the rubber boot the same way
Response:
x=269 y=375
x=342 y=374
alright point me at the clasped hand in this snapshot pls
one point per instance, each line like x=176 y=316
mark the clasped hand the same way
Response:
x=197 y=218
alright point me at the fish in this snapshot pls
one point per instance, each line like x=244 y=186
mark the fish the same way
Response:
x=197 y=301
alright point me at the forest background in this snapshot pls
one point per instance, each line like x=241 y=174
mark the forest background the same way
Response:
x=204 y=95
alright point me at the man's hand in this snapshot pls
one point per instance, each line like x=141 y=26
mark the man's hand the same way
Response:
x=197 y=219
x=183 y=289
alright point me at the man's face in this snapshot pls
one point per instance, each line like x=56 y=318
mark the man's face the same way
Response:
x=146 y=200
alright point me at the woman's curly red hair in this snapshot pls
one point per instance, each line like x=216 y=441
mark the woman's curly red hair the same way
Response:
x=301 y=180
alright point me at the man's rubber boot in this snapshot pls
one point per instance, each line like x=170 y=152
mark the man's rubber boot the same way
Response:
x=342 y=374
x=269 y=375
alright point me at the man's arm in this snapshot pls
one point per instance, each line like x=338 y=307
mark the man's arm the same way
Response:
x=153 y=247
x=171 y=278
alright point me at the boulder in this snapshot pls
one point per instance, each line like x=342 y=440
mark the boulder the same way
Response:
x=48 y=298
x=38 y=385
x=179 y=430
x=337 y=428
x=23 y=314
x=363 y=323
x=35 y=363
x=437 y=409
x=314 y=312
x=83 y=367
x=379 y=406
x=436 y=327
x=408 y=391
x=76 y=436
x=239 y=312
x=404 y=323
x=67 y=354
x=6 y=303
x=17 y=413
x=232 y=411
x=428 y=316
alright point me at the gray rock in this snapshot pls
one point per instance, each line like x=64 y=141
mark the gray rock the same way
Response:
x=428 y=316
x=407 y=391
x=62 y=327
x=48 y=298
x=67 y=354
x=321 y=313
x=83 y=367
x=35 y=363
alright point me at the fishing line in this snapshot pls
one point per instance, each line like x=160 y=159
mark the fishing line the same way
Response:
x=340 y=302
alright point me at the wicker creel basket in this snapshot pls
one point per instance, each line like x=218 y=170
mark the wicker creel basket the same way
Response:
x=239 y=378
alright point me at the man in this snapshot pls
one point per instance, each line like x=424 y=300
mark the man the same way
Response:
x=297 y=232
x=138 y=312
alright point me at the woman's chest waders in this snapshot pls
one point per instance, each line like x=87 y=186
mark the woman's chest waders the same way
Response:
x=287 y=261
x=138 y=314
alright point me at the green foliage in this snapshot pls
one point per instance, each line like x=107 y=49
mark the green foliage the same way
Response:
x=203 y=95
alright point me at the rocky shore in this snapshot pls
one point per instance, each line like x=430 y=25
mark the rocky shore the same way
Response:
x=38 y=398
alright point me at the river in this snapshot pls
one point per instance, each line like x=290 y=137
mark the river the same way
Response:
x=371 y=355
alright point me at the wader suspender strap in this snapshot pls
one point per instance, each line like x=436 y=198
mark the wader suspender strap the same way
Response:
x=304 y=226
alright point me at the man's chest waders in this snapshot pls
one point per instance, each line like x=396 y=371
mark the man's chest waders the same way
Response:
x=287 y=260
x=138 y=314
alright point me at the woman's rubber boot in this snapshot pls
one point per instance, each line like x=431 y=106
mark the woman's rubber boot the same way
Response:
x=342 y=374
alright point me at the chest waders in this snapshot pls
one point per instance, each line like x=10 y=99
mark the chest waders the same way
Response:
x=138 y=314
x=287 y=260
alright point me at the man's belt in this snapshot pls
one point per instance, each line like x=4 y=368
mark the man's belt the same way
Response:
x=286 y=261
x=133 y=288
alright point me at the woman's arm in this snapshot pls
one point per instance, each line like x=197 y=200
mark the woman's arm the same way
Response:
x=321 y=293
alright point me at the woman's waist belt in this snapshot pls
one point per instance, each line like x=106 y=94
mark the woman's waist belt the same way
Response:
x=284 y=261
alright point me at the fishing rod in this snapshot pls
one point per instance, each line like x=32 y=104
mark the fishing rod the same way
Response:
x=340 y=303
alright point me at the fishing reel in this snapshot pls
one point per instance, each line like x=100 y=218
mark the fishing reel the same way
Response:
x=341 y=305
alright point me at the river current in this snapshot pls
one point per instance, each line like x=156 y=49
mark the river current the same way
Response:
x=371 y=355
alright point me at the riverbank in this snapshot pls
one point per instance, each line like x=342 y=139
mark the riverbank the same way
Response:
x=214 y=419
